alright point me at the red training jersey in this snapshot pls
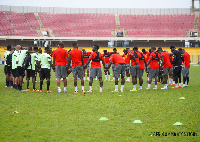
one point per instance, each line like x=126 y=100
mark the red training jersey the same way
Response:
x=96 y=57
x=141 y=60
x=146 y=56
x=106 y=58
x=86 y=57
x=117 y=59
x=187 y=60
x=136 y=55
x=155 y=58
x=127 y=58
x=60 y=55
x=76 y=57
x=167 y=63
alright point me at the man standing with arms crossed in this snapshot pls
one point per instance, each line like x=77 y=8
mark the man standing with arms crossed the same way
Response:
x=127 y=62
x=135 y=65
x=186 y=67
x=77 y=66
x=154 y=62
x=44 y=64
x=60 y=57
x=166 y=65
x=177 y=63
x=85 y=59
x=95 y=69
x=106 y=61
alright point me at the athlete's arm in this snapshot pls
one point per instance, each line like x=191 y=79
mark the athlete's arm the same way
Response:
x=69 y=61
x=87 y=63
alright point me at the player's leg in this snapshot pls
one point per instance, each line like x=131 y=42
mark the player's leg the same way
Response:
x=92 y=75
x=58 y=77
x=88 y=73
x=123 y=69
x=81 y=75
x=150 y=75
x=116 y=76
x=99 y=75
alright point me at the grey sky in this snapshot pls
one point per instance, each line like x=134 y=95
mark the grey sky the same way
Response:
x=101 y=3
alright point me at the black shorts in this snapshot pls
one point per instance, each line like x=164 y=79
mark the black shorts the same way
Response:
x=20 y=71
x=7 y=69
x=45 y=73
x=15 y=72
x=176 y=71
x=30 y=73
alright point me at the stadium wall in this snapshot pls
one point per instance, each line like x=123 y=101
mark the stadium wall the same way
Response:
x=131 y=11
x=86 y=43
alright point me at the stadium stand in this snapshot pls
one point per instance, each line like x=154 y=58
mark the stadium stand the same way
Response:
x=79 y=25
x=198 y=26
x=6 y=27
x=96 y=25
x=157 y=25
x=21 y=24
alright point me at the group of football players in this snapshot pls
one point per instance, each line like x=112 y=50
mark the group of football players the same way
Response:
x=157 y=63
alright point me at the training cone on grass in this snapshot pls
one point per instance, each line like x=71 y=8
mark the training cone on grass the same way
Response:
x=137 y=121
x=182 y=98
x=178 y=123
x=103 y=118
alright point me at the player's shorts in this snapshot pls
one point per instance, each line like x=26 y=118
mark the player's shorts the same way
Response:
x=45 y=73
x=176 y=71
x=20 y=71
x=120 y=69
x=106 y=66
x=78 y=71
x=148 y=68
x=127 y=66
x=140 y=73
x=134 y=70
x=113 y=67
x=185 y=72
x=95 y=71
x=166 y=71
x=15 y=72
x=30 y=73
x=5 y=66
x=61 y=72
x=8 y=69
x=153 y=73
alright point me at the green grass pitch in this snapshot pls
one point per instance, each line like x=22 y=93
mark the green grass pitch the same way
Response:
x=75 y=117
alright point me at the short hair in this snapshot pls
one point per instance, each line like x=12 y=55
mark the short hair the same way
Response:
x=74 y=44
x=46 y=48
x=180 y=49
x=114 y=49
x=83 y=49
x=153 y=47
x=104 y=51
x=143 y=50
x=172 y=46
x=61 y=43
x=160 y=48
x=8 y=47
x=97 y=46
x=135 y=48
x=35 y=48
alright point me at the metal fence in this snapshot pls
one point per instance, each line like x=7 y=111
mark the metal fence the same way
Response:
x=126 y=11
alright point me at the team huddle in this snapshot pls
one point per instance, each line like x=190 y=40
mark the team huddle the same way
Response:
x=158 y=64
